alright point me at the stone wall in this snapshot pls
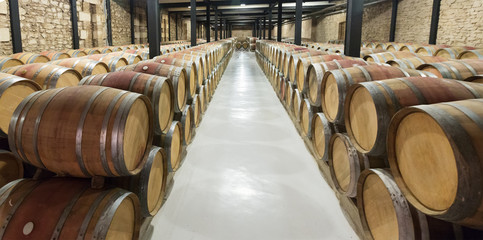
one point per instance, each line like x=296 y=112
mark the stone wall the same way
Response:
x=241 y=33
x=461 y=23
x=413 y=21
x=327 y=28
x=92 y=23
x=45 y=25
x=140 y=25
x=376 y=22
x=5 y=38
x=121 y=22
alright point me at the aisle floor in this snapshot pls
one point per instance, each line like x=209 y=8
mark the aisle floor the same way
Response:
x=248 y=174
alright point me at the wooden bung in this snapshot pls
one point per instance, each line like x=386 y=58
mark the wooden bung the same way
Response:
x=13 y=90
x=435 y=153
x=386 y=214
x=67 y=208
x=346 y=164
x=149 y=184
x=46 y=75
x=158 y=89
x=336 y=83
x=316 y=72
x=369 y=106
x=104 y=132
x=84 y=67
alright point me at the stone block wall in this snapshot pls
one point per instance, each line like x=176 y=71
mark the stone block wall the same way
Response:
x=45 y=25
x=461 y=23
x=140 y=24
x=413 y=21
x=5 y=38
x=120 y=22
x=376 y=22
x=92 y=23
x=327 y=28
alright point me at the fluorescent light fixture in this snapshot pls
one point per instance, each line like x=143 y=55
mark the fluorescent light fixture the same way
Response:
x=189 y=6
x=242 y=4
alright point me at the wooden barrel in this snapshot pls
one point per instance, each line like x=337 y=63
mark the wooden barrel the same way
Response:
x=410 y=48
x=386 y=214
x=285 y=61
x=203 y=100
x=430 y=50
x=54 y=55
x=47 y=75
x=382 y=46
x=448 y=136
x=131 y=58
x=288 y=96
x=28 y=58
x=346 y=164
x=104 y=132
x=306 y=114
x=471 y=54
x=85 y=67
x=75 y=53
x=158 y=89
x=316 y=72
x=108 y=50
x=455 y=69
x=141 y=52
x=150 y=184
x=414 y=62
x=13 y=90
x=322 y=131
x=113 y=62
x=295 y=58
x=187 y=124
x=336 y=83
x=368 y=51
x=297 y=99
x=67 y=208
x=8 y=62
x=246 y=45
x=91 y=51
x=172 y=143
x=177 y=75
x=304 y=64
x=451 y=52
x=386 y=56
x=11 y=168
x=370 y=45
x=371 y=105
x=202 y=59
x=476 y=79
x=195 y=105
x=191 y=68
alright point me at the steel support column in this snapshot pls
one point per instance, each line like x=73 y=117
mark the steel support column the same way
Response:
x=392 y=33
x=270 y=23
x=264 y=27
x=279 y=22
x=208 y=33
x=131 y=8
x=298 y=23
x=154 y=27
x=433 y=33
x=352 y=46
x=75 y=25
x=193 y=23
x=108 y=23
x=216 y=23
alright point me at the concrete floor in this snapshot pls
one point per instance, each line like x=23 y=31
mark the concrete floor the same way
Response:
x=247 y=174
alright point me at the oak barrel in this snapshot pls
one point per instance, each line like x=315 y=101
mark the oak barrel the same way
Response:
x=85 y=67
x=130 y=57
x=47 y=75
x=336 y=83
x=13 y=90
x=445 y=140
x=415 y=62
x=103 y=132
x=195 y=105
x=370 y=106
x=11 y=168
x=297 y=99
x=54 y=55
x=346 y=164
x=322 y=131
x=471 y=54
x=177 y=75
x=476 y=79
x=158 y=89
x=386 y=56
x=66 y=208
x=112 y=62
x=455 y=69
x=386 y=214
x=293 y=62
x=451 y=52
x=306 y=114
x=316 y=72
x=150 y=184
x=304 y=64
x=75 y=53
x=172 y=143
x=430 y=50
x=8 y=62
x=186 y=120
x=28 y=58
x=191 y=68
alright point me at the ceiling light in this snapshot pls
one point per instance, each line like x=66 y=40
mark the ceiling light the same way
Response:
x=189 y=6
x=242 y=4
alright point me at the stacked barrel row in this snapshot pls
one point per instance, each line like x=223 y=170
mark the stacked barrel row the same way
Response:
x=107 y=130
x=405 y=144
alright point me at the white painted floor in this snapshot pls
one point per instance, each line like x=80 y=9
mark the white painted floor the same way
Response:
x=247 y=174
